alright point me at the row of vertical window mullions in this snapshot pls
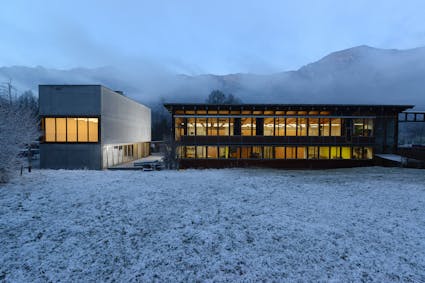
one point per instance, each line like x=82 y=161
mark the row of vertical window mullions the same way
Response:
x=249 y=128
x=78 y=136
x=281 y=130
x=278 y=152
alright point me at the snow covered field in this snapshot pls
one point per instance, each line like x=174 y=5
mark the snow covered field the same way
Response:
x=364 y=224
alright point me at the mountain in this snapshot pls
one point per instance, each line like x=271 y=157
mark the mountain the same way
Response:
x=360 y=74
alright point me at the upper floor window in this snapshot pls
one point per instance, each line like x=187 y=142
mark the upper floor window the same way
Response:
x=71 y=129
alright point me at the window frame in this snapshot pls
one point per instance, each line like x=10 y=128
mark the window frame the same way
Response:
x=43 y=140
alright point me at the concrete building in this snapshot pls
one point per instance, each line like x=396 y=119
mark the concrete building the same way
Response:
x=91 y=126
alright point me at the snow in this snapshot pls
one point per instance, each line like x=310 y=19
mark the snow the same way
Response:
x=392 y=157
x=363 y=224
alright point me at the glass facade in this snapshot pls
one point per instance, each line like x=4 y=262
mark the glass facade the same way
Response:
x=313 y=126
x=254 y=134
x=275 y=152
x=71 y=129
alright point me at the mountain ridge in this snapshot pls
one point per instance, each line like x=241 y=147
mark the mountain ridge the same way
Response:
x=359 y=74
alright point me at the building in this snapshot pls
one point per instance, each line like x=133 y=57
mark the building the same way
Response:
x=91 y=126
x=283 y=135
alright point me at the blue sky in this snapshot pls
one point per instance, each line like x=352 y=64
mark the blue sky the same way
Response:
x=196 y=37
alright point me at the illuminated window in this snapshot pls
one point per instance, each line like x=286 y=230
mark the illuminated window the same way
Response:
x=223 y=126
x=190 y=152
x=245 y=152
x=246 y=126
x=71 y=129
x=256 y=152
x=336 y=127
x=280 y=126
x=268 y=152
x=61 y=129
x=291 y=126
x=358 y=127
x=231 y=126
x=201 y=126
x=71 y=124
x=179 y=127
x=212 y=152
x=313 y=126
x=50 y=128
x=302 y=127
x=212 y=126
x=324 y=152
x=324 y=127
x=346 y=152
x=201 y=152
x=191 y=126
x=301 y=152
x=93 y=129
x=268 y=126
x=291 y=152
x=82 y=130
x=368 y=153
x=335 y=152
x=223 y=152
x=279 y=152
x=234 y=152
x=313 y=152
x=368 y=127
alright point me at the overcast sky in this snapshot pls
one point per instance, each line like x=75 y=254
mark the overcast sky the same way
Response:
x=196 y=36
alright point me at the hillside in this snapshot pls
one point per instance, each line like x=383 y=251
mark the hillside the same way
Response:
x=357 y=75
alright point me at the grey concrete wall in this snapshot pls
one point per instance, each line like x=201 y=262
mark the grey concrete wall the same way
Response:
x=70 y=156
x=72 y=100
x=123 y=120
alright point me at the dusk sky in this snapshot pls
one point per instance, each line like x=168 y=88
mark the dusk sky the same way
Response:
x=195 y=37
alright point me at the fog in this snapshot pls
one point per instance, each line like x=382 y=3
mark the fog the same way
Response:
x=274 y=52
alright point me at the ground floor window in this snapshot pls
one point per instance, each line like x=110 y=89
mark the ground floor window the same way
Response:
x=117 y=154
x=275 y=152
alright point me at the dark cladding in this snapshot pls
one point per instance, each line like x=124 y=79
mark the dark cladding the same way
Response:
x=283 y=135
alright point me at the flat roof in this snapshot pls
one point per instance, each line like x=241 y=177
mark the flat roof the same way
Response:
x=250 y=106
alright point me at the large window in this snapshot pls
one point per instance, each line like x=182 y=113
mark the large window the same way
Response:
x=71 y=129
x=335 y=127
x=275 y=152
x=246 y=125
x=313 y=126
x=191 y=126
x=268 y=126
x=201 y=126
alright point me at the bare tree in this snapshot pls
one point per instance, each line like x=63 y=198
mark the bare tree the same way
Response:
x=218 y=97
x=170 y=153
x=18 y=128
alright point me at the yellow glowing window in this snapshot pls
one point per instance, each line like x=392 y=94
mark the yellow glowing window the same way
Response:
x=279 y=152
x=71 y=129
x=61 y=129
x=93 y=130
x=82 y=130
x=346 y=152
x=336 y=127
x=335 y=152
x=50 y=129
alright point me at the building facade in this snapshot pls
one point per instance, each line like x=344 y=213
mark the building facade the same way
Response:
x=283 y=135
x=91 y=126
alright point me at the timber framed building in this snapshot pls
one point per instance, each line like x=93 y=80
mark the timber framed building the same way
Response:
x=283 y=135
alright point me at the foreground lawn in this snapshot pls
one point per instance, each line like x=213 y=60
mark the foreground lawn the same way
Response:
x=364 y=224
